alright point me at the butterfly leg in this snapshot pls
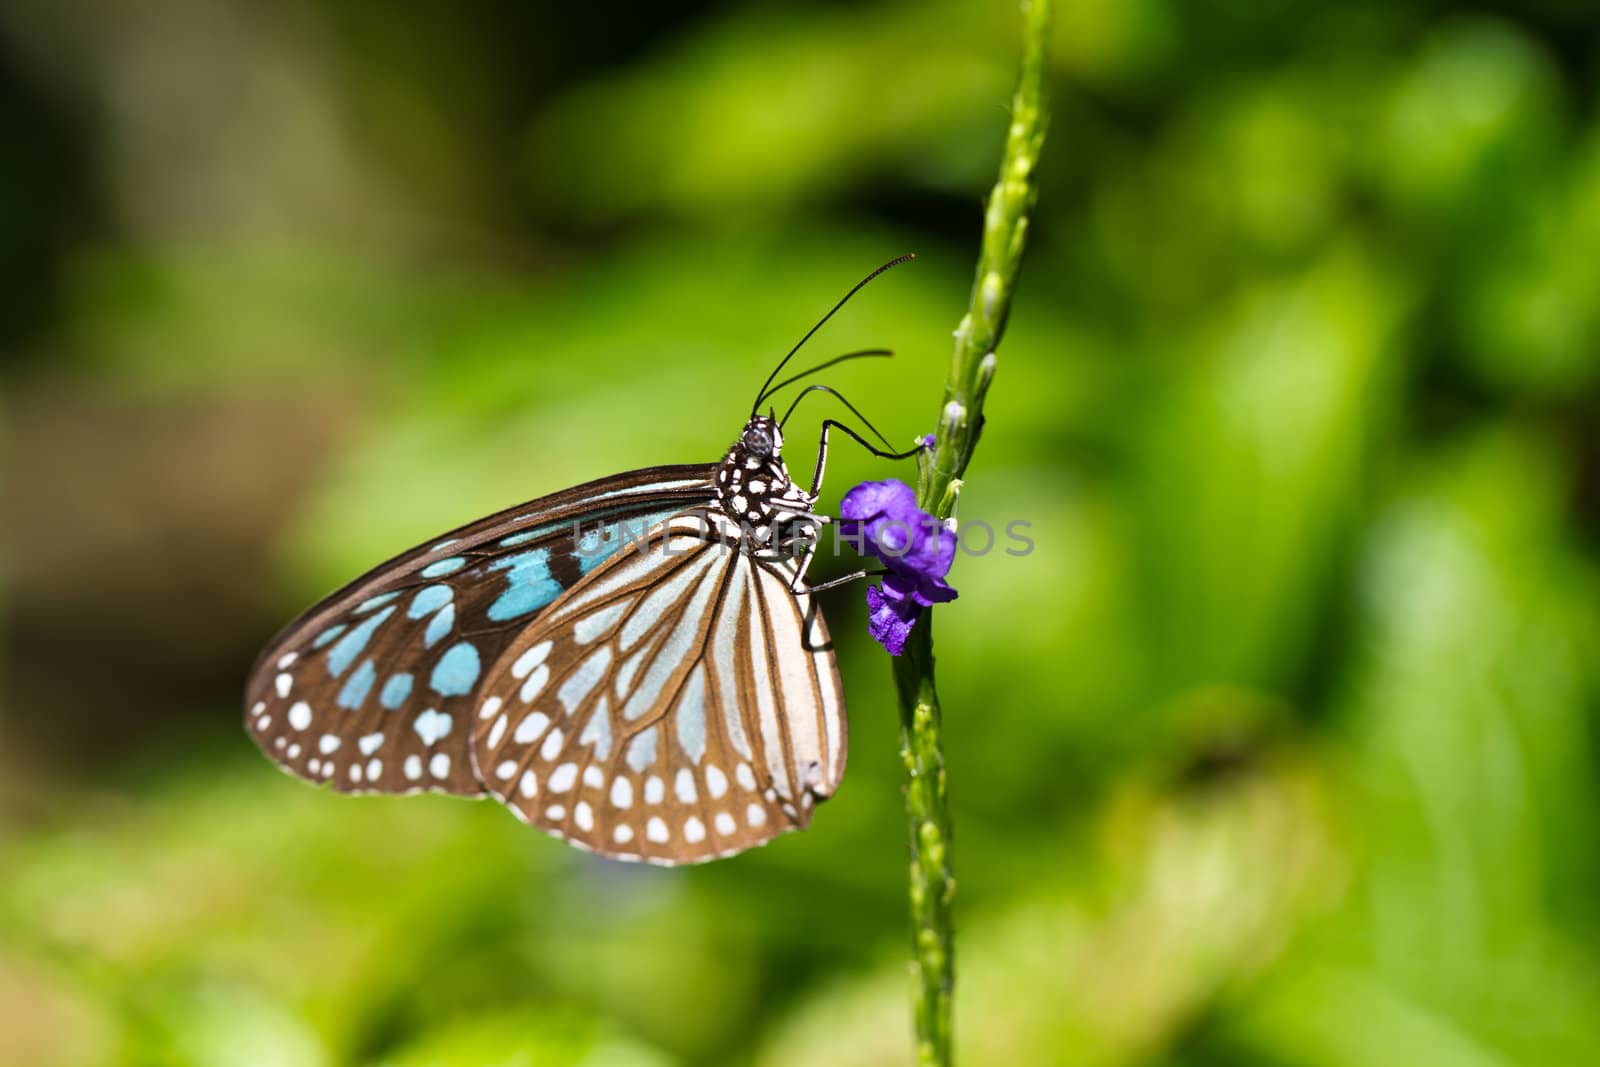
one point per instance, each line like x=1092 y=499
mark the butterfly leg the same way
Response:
x=807 y=638
x=797 y=586
x=822 y=451
x=834 y=583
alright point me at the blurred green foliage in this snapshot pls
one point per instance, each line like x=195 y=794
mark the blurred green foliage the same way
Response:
x=1279 y=748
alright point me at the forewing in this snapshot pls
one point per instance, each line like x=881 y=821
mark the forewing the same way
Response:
x=675 y=707
x=372 y=689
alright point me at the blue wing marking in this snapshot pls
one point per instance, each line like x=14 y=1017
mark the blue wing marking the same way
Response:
x=359 y=685
x=428 y=600
x=443 y=567
x=532 y=585
x=395 y=691
x=602 y=542
x=341 y=655
x=457 y=670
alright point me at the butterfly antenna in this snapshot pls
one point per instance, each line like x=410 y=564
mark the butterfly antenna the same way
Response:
x=819 y=388
x=846 y=299
x=835 y=361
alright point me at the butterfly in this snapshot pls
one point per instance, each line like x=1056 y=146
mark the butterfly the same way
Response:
x=635 y=665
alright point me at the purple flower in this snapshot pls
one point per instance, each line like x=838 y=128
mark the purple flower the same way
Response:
x=892 y=610
x=881 y=519
x=927 y=441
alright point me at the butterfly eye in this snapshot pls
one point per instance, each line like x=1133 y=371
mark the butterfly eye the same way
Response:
x=758 y=441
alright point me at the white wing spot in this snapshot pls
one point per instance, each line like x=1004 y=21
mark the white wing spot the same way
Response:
x=624 y=682
x=258 y=707
x=683 y=786
x=328 y=743
x=315 y=765
x=505 y=770
x=661 y=596
x=694 y=831
x=622 y=834
x=590 y=627
x=725 y=824
x=656 y=830
x=355 y=771
x=439 y=765
x=746 y=776
x=621 y=792
x=294 y=750
x=327 y=769
x=642 y=749
x=593 y=777
x=583 y=815
x=263 y=722
x=535 y=683
x=576 y=689
x=413 y=768
x=286 y=660
x=433 y=725
x=530 y=659
x=284 y=683
x=529 y=785
x=563 y=777
x=300 y=715
x=692 y=715
x=374 y=768
x=555 y=813
x=598 y=732
x=278 y=743
x=756 y=815
x=716 y=782
x=497 y=731
x=370 y=744
x=529 y=729
x=654 y=790
x=490 y=706
x=552 y=745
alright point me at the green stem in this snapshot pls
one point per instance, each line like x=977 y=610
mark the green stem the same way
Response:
x=1005 y=231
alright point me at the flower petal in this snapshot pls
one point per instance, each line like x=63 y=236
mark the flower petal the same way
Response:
x=890 y=619
x=925 y=590
x=872 y=499
x=932 y=551
x=881 y=519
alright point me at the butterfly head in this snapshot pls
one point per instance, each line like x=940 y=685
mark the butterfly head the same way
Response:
x=753 y=484
x=762 y=438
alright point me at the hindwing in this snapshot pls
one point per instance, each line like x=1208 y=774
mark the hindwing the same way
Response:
x=679 y=705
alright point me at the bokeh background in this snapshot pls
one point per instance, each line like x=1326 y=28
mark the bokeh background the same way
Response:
x=1278 y=751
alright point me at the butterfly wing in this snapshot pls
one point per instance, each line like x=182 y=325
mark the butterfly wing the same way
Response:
x=371 y=689
x=677 y=706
